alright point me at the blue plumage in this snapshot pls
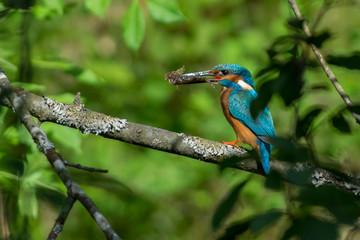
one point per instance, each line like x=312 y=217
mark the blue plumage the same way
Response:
x=239 y=105
x=236 y=96
x=265 y=150
x=239 y=100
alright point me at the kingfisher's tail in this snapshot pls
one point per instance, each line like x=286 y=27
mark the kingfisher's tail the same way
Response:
x=265 y=150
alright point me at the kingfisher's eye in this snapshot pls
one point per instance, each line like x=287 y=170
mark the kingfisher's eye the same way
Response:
x=225 y=72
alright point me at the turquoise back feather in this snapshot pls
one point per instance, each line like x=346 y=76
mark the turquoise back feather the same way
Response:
x=263 y=126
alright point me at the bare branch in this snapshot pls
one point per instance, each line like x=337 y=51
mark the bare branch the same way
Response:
x=322 y=60
x=60 y=221
x=48 y=149
x=89 y=169
x=4 y=227
x=87 y=121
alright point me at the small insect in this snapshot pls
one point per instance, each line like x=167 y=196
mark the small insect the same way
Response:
x=178 y=78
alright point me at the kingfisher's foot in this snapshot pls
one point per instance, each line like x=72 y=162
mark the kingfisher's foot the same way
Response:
x=233 y=143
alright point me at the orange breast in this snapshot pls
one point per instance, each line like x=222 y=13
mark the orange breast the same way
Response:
x=244 y=134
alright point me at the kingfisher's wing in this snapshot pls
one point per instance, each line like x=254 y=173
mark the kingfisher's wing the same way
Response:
x=239 y=105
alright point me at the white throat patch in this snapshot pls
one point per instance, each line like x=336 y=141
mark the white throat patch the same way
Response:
x=244 y=85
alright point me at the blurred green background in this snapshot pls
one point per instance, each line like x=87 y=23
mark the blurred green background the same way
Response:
x=75 y=46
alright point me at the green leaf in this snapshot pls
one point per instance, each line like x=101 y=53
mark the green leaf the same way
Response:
x=255 y=224
x=67 y=137
x=7 y=65
x=25 y=138
x=317 y=87
x=8 y=181
x=344 y=205
x=166 y=11
x=310 y=228
x=351 y=61
x=290 y=151
x=18 y=4
x=48 y=9
x=261 y=221
x=230 y=162
x=102 y=181
x=318 y=40
x=134 y=26
x=27 y=201
x=97 y=7
x=303 y=126
x=235 y=230
x=274 y=181
x=234 y=161
x=340 y=123
x=295 y=23
x=70 y=6
x=354 y=108
x=302 y=177
x=290 y=81
x=83 y=75
x=226 y=206
x=32 y=87
x=64 y=98
x=265 y=94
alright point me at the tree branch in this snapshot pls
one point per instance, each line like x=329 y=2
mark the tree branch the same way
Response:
x=18 y=104
x=89 y=169
x=322 y=60
x=60 y=221
x=76 y=116
x=87 y=121
x=4 y=227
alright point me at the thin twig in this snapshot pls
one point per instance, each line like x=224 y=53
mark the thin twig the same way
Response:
x=55 y=159
x=322 y=60
x=324 y=8
x=59 y=223
x=4 y=227
x=89 y=169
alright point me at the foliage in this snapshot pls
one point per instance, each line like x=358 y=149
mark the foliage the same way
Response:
x=116 y=52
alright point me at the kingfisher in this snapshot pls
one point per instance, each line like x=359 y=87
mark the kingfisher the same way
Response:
x=238 y=91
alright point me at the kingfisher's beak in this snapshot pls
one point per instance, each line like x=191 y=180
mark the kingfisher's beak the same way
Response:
x=196 y=75
x=199 y=74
